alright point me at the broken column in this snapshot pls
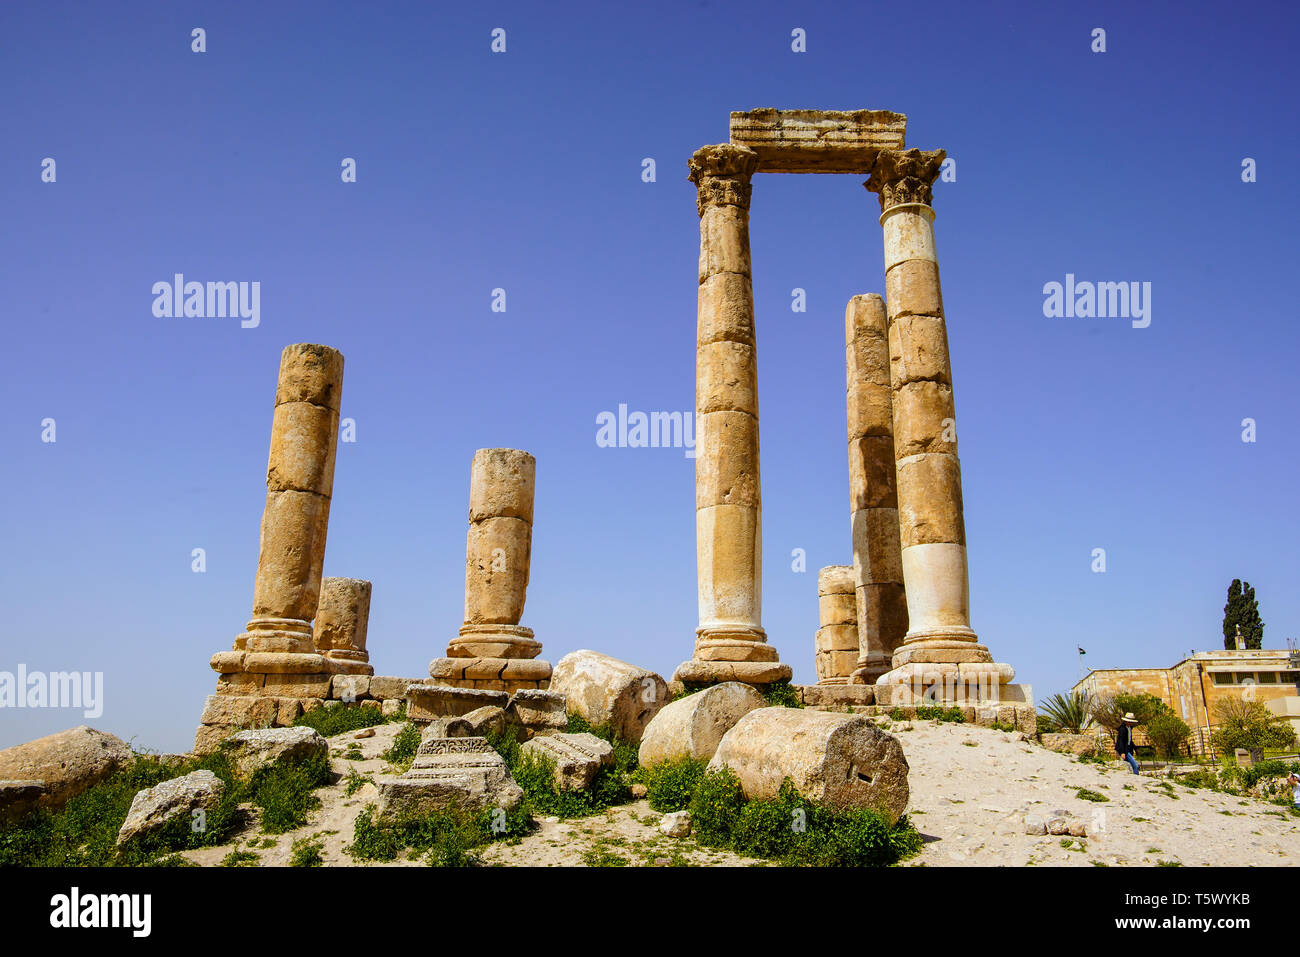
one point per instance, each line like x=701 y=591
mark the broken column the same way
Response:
x=274 y=669
x=873 y=499
x=493 y=651
x=342 y=618
x=730 y=642
x=941 y=650
x=836 y=643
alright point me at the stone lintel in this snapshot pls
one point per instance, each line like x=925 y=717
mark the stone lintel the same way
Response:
x=818 y=141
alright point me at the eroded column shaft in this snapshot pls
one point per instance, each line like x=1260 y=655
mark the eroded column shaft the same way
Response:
x=299 y=483
x=492 y=651
x=837 y=640
x=342 y=623
x=873 y=500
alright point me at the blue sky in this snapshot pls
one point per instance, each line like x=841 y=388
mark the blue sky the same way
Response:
x=522 y=171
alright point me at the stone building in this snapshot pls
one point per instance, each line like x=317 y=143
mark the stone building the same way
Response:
x=1193 y=686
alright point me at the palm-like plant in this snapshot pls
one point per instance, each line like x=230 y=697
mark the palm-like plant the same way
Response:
x=1070 y=712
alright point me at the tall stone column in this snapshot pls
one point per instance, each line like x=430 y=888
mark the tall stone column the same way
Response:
x=342 y=621
x=493 y=651
x=940 y=645
x=873 y=498
x=730 y=642
x=274 y=667
x=837 y=613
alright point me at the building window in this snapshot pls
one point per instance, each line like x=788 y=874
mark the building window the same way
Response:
x=1221 y=677
x=1268 y=677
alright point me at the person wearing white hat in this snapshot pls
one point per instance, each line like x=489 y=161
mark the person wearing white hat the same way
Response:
x=1293 y=780
x=1124 y=741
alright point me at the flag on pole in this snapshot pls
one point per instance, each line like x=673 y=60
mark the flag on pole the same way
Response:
x=1081 y=651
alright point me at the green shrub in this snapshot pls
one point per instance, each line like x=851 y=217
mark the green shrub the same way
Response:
x=612 y=784
x=669 y=786
x=715 y=806
x=1248 y=724
x=331 y=721
x=942 y=715
x=84 y=832
x=793 y=829
x=240 y=859
x=405 y=744
x=284 y=792
x=306 y=852
x=1084 y=794
x=1267 y=769
x=1168 y=733
x=781 y=694
x=448 y=838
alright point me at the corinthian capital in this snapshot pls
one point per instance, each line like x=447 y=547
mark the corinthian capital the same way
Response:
x=721 y=175
x=904 y=176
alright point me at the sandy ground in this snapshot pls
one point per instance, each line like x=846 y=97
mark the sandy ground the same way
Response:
x=972 y=787
x=971 y=790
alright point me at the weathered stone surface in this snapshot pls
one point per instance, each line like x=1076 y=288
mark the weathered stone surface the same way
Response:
x=502 y=483
x=485 y=720
x=302 y=448
x=383 y=686
x=818 y=141
x=310 y=373
x=749 y=672
x=577 y=757
x=675 y=824
x=461 y=772
x=343 y=619
x=726 y=460
x=497 y=555
x=154 y=808
x=448 y=727
x=294 y=526
x=924 y=420
x=350 y=687
x=608 y=692
x=838 y=760
x=692 y=727
x=538 y=712
x=67 y=762
x=726 y=378
x=19 y=798
x=836 y=696
x=728 y=562
x=424 y=702
x=912 y=289
x=928 y=486
x=251 y=750
x=725 y=310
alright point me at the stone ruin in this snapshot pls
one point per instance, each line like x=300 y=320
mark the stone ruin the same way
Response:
x=914 y=641
x=894 y=626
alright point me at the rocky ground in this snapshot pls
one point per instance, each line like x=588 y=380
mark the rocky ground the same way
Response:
x=971 y=787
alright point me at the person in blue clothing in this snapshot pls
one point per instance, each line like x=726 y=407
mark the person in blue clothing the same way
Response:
x=1124 y=742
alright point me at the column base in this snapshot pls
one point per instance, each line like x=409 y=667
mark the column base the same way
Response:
x=494 y=641
x=964 y=684
x=696 y=671
x=491 y=674
x=825 y=682
x=869 y=669
x=276 y=636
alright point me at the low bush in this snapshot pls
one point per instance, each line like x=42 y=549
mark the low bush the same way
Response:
x=84 y=832
x=669 y=786
x=447 y=839
x=402 y=751
x=789 y=828
x=331 y=721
